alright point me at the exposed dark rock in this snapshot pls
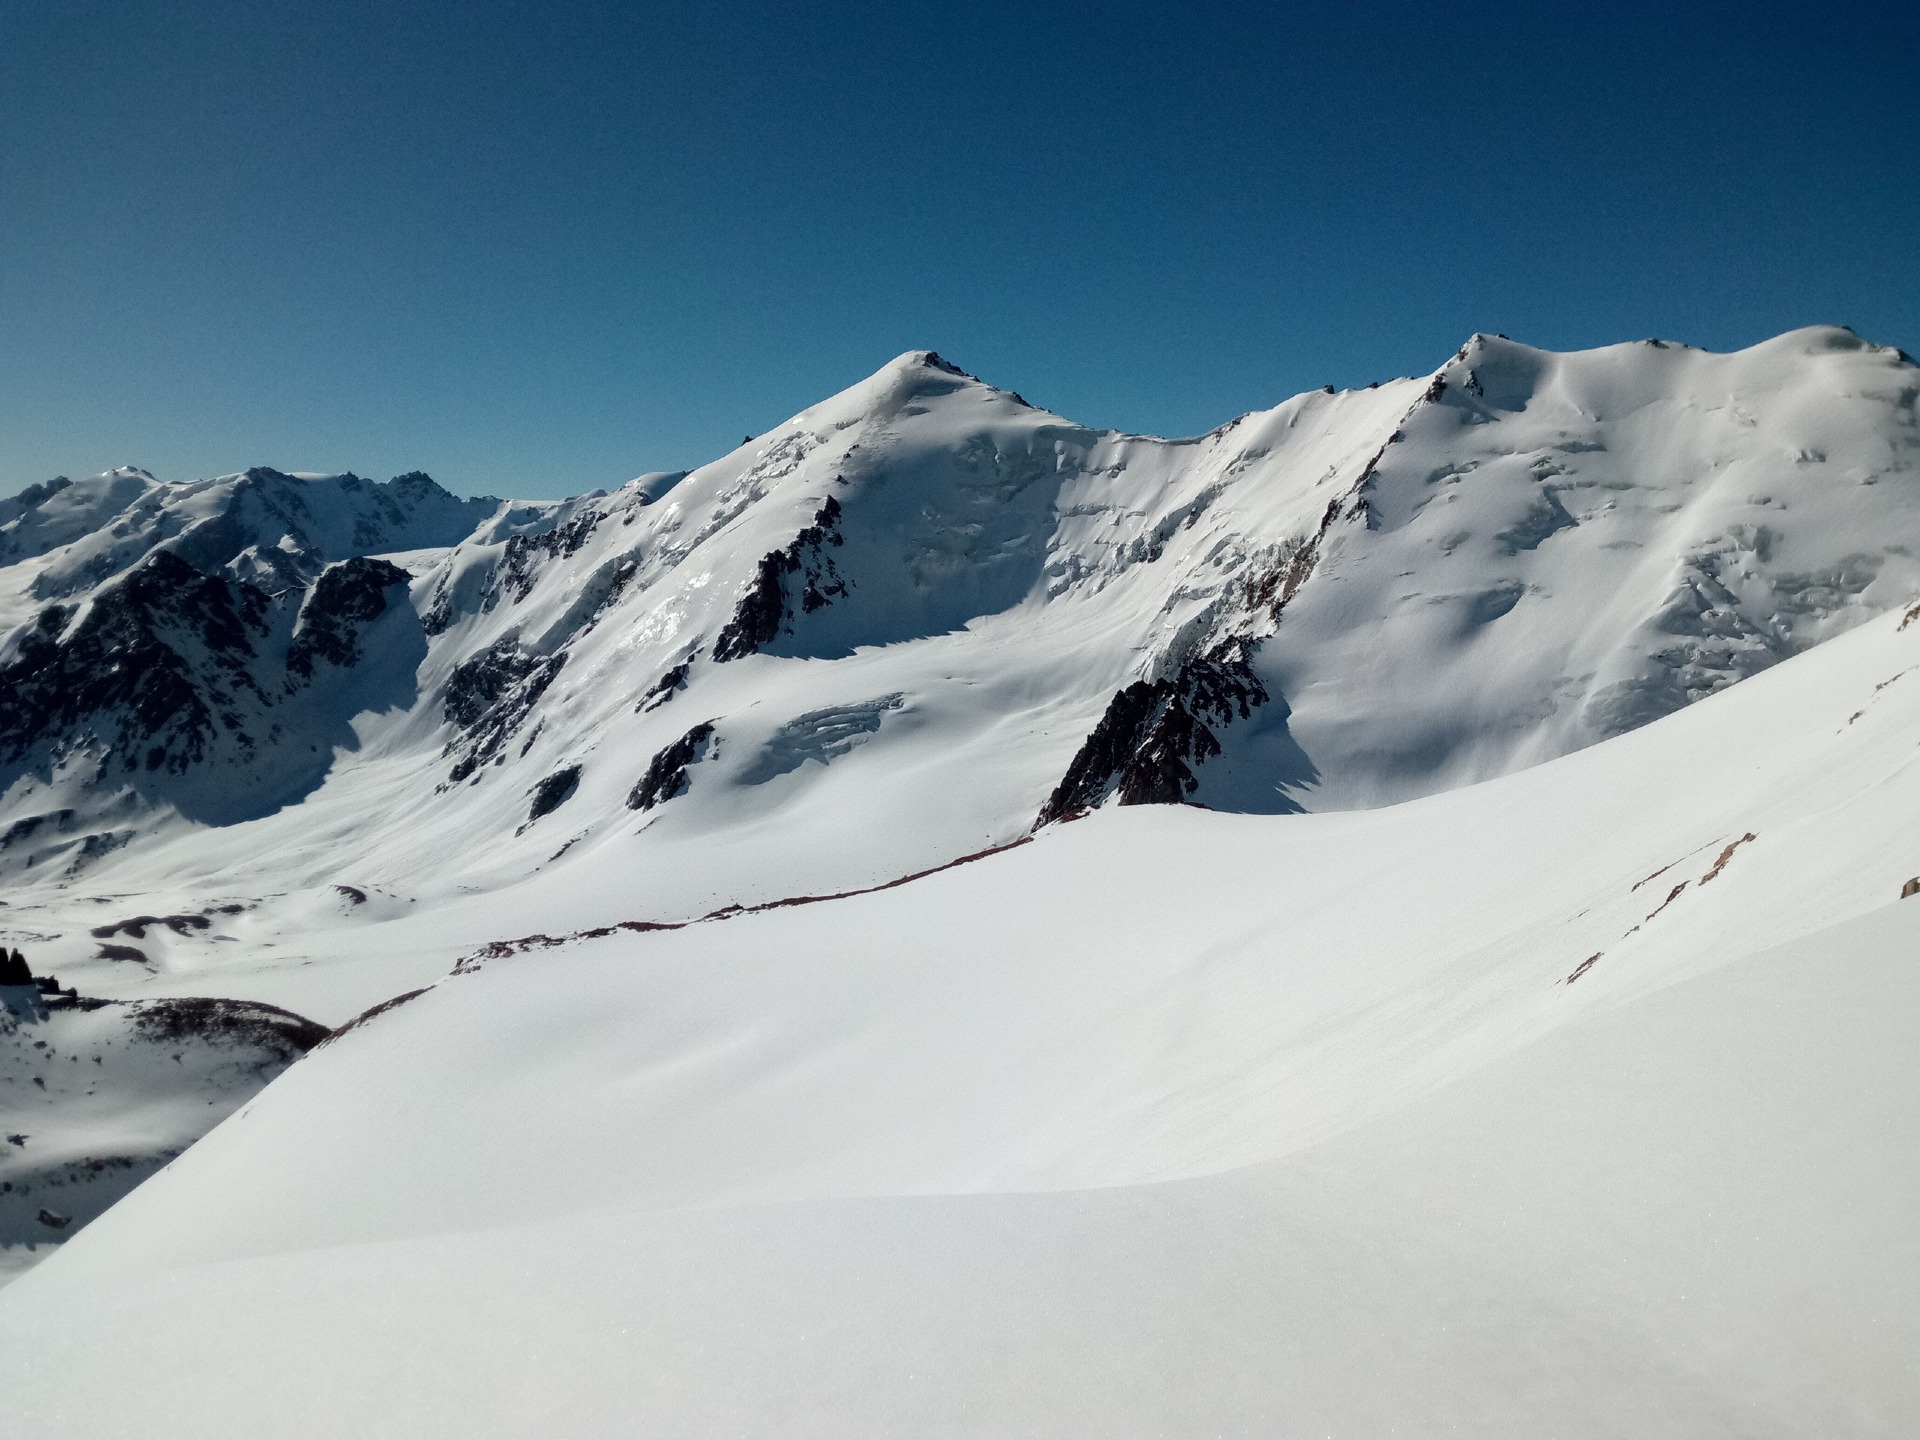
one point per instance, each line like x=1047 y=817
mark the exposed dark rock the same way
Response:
x=14 y=969
x=438 y=617
x=27 y=826
x=489 y=695
x=666 y=775
x=661 y=691
x=479 y=682
x=766 y=609
x=553 y=792
x=1153 y=733
x=372 y=1014
x=122 y=952
x=472 y=962
x=92 y=847
x=343 y=601
x=137 y=926
x=282 y=1035
x=123 y=677
x=171 y=670
x=760 y=613
x=34 y=496
x=1275 y=586
x=525 y=556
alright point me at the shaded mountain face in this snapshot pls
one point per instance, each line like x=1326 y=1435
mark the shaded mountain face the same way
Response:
x=175 y=687
x=200 y=649
x=929 y=605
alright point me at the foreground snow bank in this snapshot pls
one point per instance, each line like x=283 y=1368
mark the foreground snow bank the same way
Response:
x=1572 y=1103
x=1689 y=1216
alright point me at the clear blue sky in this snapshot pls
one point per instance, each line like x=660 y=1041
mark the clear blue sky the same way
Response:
x=534 y=248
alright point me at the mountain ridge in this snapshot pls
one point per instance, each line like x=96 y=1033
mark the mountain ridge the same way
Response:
x=1349 y=599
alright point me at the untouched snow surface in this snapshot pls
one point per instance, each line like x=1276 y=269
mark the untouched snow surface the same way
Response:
x=1576 y=1103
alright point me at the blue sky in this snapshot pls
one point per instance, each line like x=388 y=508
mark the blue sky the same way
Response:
x=538 y=248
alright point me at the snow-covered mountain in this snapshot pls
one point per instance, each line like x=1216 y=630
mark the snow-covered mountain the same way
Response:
x=696 y=858
x=939 y=614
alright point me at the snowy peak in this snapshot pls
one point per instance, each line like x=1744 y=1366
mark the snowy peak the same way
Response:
x=267 y=527
x=927 y=602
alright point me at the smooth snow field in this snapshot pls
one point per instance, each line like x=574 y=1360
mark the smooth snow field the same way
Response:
x=1578 y=1102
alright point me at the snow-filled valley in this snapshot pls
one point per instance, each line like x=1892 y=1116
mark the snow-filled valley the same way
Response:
x=794 y=998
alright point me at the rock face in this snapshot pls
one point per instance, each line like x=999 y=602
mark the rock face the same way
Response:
x=1153 y=735
x=803 y=573
x=199 y=690
x=1348 y=600
x=343 y=602
x=553 y=792
x=666 y=774
x=489 y=697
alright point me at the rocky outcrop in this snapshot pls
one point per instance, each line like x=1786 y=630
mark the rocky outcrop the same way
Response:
x=103 y=1093
x=803 y=566
x=343 y=602
x=489 y=696
x=553 y=792
x=666 y=775
x=666 y=687
x=192 y=688
x=278 y=1037
x=526 y=555
x=157 y=669
x=1153 y=733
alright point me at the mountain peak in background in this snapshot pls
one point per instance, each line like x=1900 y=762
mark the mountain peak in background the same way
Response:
x=1348 y=600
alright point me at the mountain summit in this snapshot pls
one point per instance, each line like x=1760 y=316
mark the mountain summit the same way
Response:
x=926 y=602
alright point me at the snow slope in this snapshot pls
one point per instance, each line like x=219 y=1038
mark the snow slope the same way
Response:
x=1572 y=1102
